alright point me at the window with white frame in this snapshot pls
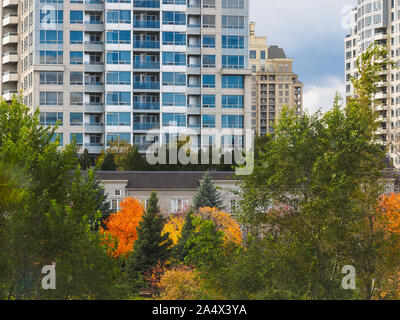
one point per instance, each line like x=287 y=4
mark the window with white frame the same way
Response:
x=179 y=205
x=115 y=204
x=117 y=192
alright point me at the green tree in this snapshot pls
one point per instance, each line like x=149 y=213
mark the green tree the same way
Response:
x=207 y=194
x=150 y=247
x=311 y=201
x=85 y=160
x=129 y=159
x=49 y=219
x=181 y=249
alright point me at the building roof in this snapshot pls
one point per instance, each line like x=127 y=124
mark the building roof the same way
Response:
x=155 y=180
x=274 y=52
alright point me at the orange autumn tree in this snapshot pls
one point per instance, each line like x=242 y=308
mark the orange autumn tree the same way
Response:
x=174 y=227
x=121 y=228
x=224 y=222
x=390 y=207
x=389 y=223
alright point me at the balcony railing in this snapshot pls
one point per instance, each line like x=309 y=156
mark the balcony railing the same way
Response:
x=146 y=44
x=146 y=85
x=145 y=125
x=146 y=24
x=146 y=105
x=146 y=64
x=146 y=4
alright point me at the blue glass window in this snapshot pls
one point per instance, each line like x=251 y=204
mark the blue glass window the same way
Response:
x=118 y=57
x=174 y=59
x=208 y=81
x=119 y=98
x=175 y=18
x=174 y=79
x=119 y=36
x=76 y=37
x=76 y=17
x=209 y=61
x=174 y=119
x=233 y=22
x=232 y=42
x=232 y=102
x=76 y=57
x=208 y=121
x=233 y=82
x=118 y=78
x=233 y=62
x=121 y=137
x=119 y=16
x=208 y=41
x=76 y=119
x=174 y=99
x=174 y=38
x=51 y=36
x=48 y=16
x=209 y=101
x=78 y=137
x=119 y=119
x=232 y=121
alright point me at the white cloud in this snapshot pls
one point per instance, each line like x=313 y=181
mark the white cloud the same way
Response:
x=321 y=96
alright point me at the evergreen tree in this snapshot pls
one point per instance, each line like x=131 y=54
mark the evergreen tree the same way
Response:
x=207 y=194
x=181 y=250
x=108 y=163
x=150 y=247
x=84 y=160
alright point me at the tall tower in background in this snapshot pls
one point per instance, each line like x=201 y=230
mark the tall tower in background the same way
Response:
x=274 y=83
x=119 y=68
x=378 y=22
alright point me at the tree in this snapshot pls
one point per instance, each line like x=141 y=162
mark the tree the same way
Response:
x=129 y=158
x=181 y=283
x=207 y=194
x=224 y=222
x=173 y=228
x=204 y=245
x=85 y=160
x=150 y=247
x=122 y=228
x=48 y=220
x=182 y=249
x=312 y=198
x=108 y=162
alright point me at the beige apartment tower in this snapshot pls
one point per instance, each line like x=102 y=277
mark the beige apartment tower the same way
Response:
x=274 y=84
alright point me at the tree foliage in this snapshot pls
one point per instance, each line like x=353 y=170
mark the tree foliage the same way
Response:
x=207 y=194
x=151 y=247
x=121 y=228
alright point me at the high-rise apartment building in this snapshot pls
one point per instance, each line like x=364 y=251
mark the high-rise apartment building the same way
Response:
x=378 y=21
x=119 y=68
x=274 y=84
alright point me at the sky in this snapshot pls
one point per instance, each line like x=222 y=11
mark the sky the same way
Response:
x=312 y=33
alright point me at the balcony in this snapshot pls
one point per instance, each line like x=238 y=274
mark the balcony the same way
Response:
x=94 y=148
x=146 y=64
x=144 y=126
x=146 y=85
x=10 y=76
x=146 y=4
x=152 y=106
x=7 y=95
x=94 y=127
x=9 y=3
x=146 y=45
x=146 y=24
x=10 y=19
x=11 y=37
x=10 y=57
x=381 y=95
x=94 y=107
